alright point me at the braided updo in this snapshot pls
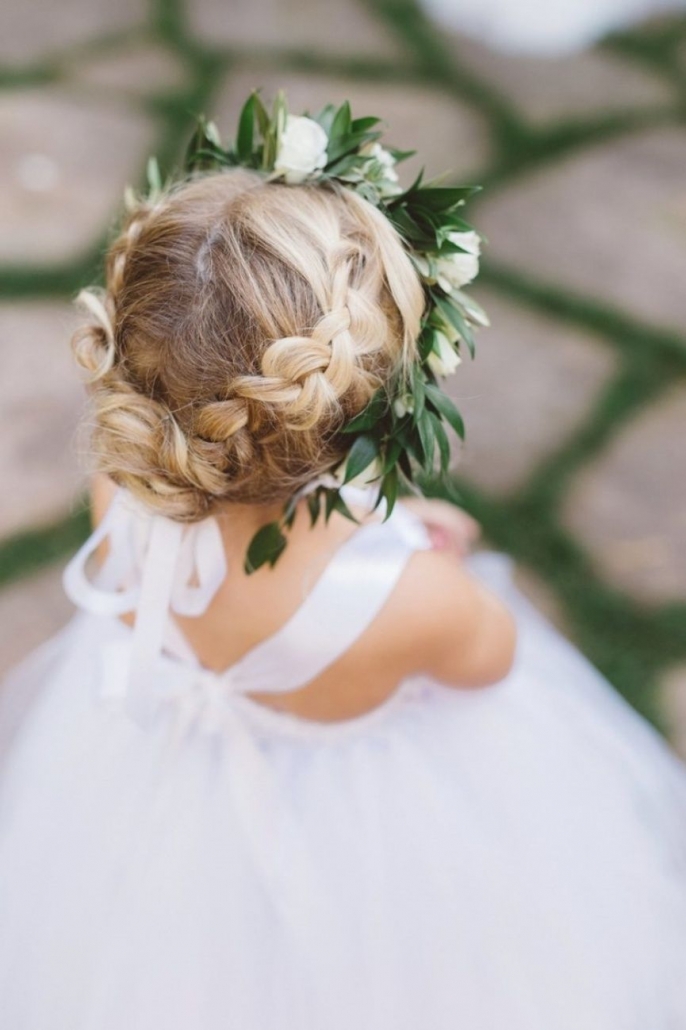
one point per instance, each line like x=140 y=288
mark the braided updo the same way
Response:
x=244 y=322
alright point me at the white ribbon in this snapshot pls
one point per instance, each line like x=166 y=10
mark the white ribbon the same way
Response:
x=175 y=567
x=198 y=701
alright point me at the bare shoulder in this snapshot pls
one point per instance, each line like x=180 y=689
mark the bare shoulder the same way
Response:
x=447 y=624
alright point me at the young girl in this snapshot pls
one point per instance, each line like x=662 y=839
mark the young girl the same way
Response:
x=296 y=798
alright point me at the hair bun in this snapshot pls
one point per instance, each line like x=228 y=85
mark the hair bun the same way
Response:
x=243 y=324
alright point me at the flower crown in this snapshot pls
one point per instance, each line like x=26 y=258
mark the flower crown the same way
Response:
x=404 y=424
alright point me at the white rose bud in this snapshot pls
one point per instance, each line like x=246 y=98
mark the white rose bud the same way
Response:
x=456 y=270
x=469 y=241
x=403 y=405
x=383 y=157
x=301 y=150
x=447 y=328
x=387 y=183
x=444 y=361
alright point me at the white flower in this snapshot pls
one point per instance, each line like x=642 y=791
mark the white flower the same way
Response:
x=384 y=176
x=469 y=241
x=422 y=265
x=383 y=157
x=446 y=328
x=301 y=150
x=456 y=270
x=444 y=361
x=403 y=405
x=368 y=475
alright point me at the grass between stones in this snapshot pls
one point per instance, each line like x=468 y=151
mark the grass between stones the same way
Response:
x=631 y=644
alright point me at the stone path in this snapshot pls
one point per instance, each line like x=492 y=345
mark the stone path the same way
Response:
x=576 y=405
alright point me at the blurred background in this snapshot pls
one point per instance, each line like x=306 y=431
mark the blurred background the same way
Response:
x=572 y=113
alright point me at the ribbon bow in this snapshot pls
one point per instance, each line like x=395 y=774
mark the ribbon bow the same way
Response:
x=154 y=565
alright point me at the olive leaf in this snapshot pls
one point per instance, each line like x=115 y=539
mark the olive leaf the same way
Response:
x=445 y=407
x=266 y=547
x=369 y=416
x=362 y=454
x=246 y=126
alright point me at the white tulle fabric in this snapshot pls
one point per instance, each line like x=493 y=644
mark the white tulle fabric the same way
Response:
x=173 y=855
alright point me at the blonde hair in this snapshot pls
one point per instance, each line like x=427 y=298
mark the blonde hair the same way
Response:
x=244 y=322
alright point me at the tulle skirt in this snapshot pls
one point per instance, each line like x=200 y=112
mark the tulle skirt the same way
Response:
x=506 y=859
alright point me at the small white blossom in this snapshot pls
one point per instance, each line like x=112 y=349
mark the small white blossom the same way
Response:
x=403 y=405
x=386 y=177
x=446 y=328
x=301 y=150
x=456 y=270
x=469 y=241
x=444 y=361
x=382 y=157
x=422 y=265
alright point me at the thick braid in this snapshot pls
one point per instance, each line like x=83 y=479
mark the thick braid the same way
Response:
x=307 y=376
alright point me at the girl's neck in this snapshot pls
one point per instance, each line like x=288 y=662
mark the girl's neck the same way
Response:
x=238 y=524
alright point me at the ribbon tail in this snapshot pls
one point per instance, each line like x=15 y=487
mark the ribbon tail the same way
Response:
x=157 y=582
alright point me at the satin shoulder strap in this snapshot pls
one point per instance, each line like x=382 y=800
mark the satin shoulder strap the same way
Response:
x=347 y=597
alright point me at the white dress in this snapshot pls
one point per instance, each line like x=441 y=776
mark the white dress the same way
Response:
x=174 y=856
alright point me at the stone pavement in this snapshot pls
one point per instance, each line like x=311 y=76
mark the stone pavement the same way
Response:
x=576 y=404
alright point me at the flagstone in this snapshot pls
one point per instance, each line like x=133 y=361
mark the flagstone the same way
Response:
x=547 y=90
x=41 y=399
x=30 y=612
x=672 y=696
x=533 y=383
x=143 y=68
x=343 y=27
x=629 y=506
x=30 y=31
x=608 y=223
x=64 y=164
x=411 y=113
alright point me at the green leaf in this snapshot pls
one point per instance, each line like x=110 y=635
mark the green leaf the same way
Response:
x=246 y=125
x=418 y=392
x=342 y=122
x=389 y=490
x=415 y=448
x=392 y=455
x=442 y=440
x=363 y=124
x=471 y=308
x=347 y=143
x=401 y=155
x=428 y=438
x=261 y=113
x=314 y=505
x=154 y=177
x=405 y=224
x=369 y=416
x=361 y=455
x=442 y=198
x=445 y=407
x=406 y=465
x=456 y=319
x=342 y=508
x=325 y=117
x=425 y=343
x=266 y=547
x=401 y=198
